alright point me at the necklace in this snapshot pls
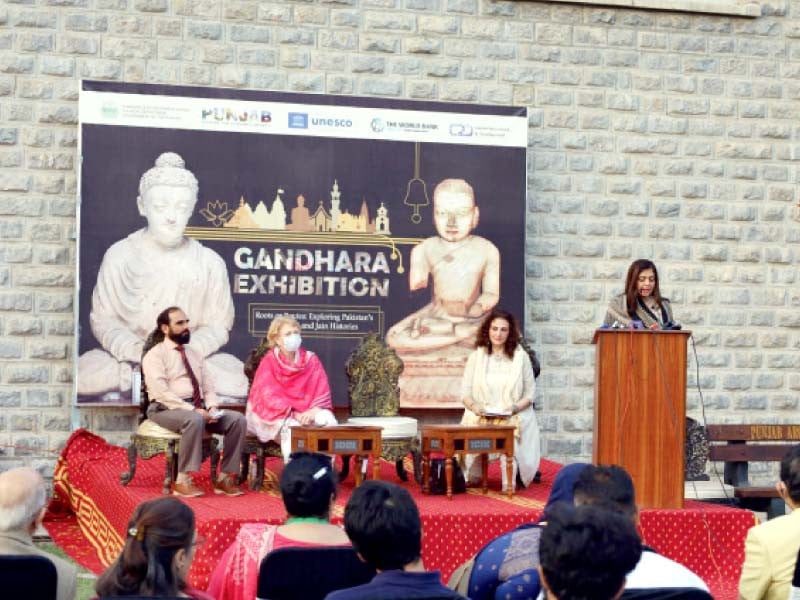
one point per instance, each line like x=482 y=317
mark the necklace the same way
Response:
x=291 y=520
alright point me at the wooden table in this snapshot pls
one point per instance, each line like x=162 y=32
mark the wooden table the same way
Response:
x=467 y=439
x=344 y=440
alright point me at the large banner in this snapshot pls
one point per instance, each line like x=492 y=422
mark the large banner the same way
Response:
x=352 y=215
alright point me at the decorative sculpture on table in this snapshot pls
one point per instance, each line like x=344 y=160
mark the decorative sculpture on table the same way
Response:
x=373 y=370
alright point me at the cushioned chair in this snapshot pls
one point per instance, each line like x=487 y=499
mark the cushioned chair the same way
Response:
x=310 y=573
x=373 y=370
x=150 y=439
x=28 y=577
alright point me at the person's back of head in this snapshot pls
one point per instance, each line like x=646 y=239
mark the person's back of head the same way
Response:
x=384 y=525
x=23 y=498
x=608 y=486
x=308 y=485
x=585 y=552
x=157 y=553
x=789 y=485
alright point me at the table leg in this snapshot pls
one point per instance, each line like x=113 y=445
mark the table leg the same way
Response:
x=376 y=467
x=426 y=473
x=448 y=476
x=485 y=472
x=509 y=471
x=359 y=474
x=345 y=467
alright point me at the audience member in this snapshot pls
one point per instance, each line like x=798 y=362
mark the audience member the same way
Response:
x=771 y=549
x=586 y=552
x=158 y=551
x=23 y=502
x=507 y=567
x=612 y=487
x=308 y=490
x=794 y=594
x=384 y=525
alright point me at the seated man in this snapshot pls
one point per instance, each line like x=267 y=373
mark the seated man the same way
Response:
x=507 y=564
x=611 y=486
x=154 y=267
x=466 y=275
x=586 y=552
x=771 y=549
x=384 y=526
x=23 y=502
x=183 y=400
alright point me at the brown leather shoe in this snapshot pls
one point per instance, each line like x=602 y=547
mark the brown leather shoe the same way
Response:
x=227 y=486
x=187 y=490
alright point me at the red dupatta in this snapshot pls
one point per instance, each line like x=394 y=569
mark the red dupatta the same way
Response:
x=281 y=388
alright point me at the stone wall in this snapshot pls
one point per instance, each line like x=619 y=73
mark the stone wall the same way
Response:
x=668 y=135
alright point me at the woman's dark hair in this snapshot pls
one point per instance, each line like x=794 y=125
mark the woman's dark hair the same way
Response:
x=384 y=525
x=631 y=294
x=156 y=531
x=308 y=483
x=483 y=341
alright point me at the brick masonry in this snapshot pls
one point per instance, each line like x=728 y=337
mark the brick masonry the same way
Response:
x=667 y=135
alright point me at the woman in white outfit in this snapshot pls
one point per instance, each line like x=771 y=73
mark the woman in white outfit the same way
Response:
x=497 y=389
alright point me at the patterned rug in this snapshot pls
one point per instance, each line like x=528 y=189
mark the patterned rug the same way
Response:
x=90 y=511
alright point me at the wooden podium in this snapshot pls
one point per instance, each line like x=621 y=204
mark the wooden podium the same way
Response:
x=640 y=410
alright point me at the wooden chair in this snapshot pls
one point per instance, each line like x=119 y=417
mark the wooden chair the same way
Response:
x=261 y=450
x=29 y=577
x=284 y=573
x=252 y=445
x=373 y=370
x=150 y=439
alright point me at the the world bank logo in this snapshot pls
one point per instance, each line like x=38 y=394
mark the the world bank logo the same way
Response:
x=377 y=125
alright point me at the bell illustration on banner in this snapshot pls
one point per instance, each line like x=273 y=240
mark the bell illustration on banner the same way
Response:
x=416 y=190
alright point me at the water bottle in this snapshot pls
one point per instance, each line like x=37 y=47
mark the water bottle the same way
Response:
x=136 y=385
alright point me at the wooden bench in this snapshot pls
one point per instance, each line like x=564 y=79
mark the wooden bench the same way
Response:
x=739 y=445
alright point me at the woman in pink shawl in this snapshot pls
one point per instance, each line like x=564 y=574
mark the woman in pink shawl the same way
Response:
x=290 y=387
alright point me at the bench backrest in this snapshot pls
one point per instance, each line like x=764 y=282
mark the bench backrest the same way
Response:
x=782 y=437
x=737 y=445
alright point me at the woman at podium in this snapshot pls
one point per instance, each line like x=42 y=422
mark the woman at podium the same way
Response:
x=290 y=387
x=497 y=389
x=641 y=301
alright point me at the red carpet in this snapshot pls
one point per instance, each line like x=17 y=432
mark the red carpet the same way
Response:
x=89 y=515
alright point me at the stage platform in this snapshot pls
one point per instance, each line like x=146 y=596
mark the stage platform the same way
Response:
x=89 y=516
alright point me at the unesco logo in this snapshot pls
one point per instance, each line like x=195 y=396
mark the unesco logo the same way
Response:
x=298 y=120
x=331 y=122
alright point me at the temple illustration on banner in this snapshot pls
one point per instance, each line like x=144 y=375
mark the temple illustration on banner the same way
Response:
x=302 y=219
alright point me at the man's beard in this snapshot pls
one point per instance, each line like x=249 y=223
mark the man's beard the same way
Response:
x=181 y=338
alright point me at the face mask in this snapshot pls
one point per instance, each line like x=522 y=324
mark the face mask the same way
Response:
x=292 y=342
